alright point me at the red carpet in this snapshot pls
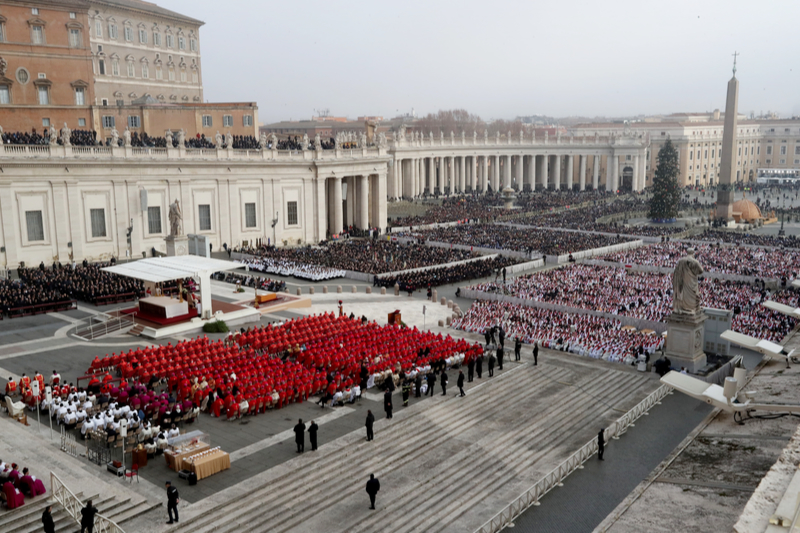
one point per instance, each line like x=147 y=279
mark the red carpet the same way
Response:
x=161 y=321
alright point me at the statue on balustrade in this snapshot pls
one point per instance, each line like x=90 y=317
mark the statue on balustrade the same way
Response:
x=218 y=139
x=228 y=141
x=401 y=133
x=382 y=140
x=262 y=140
x=175 y=219
x=65 y=134
x=181 y=137
x=127 y=136
x=273 y=139
x=317 y=142
x=452 y=137
x=362 y=140
x=497 y=137
x=521 y=136
x=114 y=137
x=685 y=293
x=53 y=136
x=169 y=138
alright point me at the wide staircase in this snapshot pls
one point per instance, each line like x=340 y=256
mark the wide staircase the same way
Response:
x=444 y=465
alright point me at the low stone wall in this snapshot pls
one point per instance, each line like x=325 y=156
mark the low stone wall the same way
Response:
x=583 y=254
x=772 y=283
x=638 y=323
x=435 y=267
x=478 y=249
x=524 y=267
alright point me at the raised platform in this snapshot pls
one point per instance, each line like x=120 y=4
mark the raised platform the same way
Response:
x=142 y=317
x=233 y=314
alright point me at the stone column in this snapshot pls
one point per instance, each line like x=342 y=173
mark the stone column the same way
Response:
x=635 y=185
x=643 y=170
x=570 y=171
x=615 y=171
x=543 y=160
x=362 y=186
x=350 y=202
x=484 y=174
x=520 y=176
x=496 y=176
x=609 y=184
x=557 y=171
x=507 y=172
x=322 y=210
x=431 y=175
x=532 y=172
x=336 y=226
x=377 y=184
x=582 y=173
x=596 y=172
x=462 y=174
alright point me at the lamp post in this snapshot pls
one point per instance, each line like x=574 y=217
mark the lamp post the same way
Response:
x=781 y=231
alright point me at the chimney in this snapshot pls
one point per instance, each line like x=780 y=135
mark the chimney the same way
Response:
x=716 y=114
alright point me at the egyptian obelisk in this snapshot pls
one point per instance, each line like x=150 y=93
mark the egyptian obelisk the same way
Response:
x=727 y=175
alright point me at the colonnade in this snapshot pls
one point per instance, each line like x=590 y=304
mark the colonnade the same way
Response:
x=361 y=203
x=430 y=174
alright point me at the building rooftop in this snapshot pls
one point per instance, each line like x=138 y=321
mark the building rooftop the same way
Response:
x=150 y=8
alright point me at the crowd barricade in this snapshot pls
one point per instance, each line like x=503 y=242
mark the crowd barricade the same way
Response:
x=583 y=254
x=435 y=267
x=524 y=267
x=114 y=298
x=638 y=323
x=403 y=229
x=479 y=249
x=40 y=309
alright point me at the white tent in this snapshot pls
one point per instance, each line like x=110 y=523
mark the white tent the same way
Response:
x=162 y=269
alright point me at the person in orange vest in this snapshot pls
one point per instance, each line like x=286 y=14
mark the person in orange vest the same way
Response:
x=40 y=378
x=11 y=387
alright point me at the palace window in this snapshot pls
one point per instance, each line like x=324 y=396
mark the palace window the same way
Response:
x=170 y=41
x=227 y=121
x=112 y=31
x=35 y=226
x=159 y=73
x=98 y=219
x=74 y=38
x=131 y=69
x=44 y=95
x=81 y=122
x=80 y=96
x=46 y=122
x=171 y=74
x=154 y=220
x=108 y=121
x=204 y=217
x=193 y=45
x=37 y=34
x=143 y=36
x=195 y=77
x=250 y=215
x=783 y=150
x=291 y=213
x=145 y=71
x=183 y=75
x=156 y=38
x=207 y=121
x=101 y=64
x=181 y=43
x=98 y=28
x=115 y=68
x=769 y=150
x=247 y=120
x=134 y=121
x=5 y=94
x=128 y=33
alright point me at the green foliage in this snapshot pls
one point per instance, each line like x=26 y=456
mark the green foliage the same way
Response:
x=218 y=326
x=666 y=191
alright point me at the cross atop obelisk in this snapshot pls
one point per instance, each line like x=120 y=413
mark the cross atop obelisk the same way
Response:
x=735 y=53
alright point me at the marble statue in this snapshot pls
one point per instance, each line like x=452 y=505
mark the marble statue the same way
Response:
x=53 y=136
x=362 y=140
x=65 y=133
x=273 y=139
x=521 y=136
x=168 y=137
x=114 y=137
x=463 y=135
x=509 y=137
x=175 y=219
x=685 y=295
x=431 y=133
x=127 y=136
x=452 y=137
x=181 y=137
x=558 y=138
x=262 y=140
x=533 y=137
x=304 y=145
x=475 y=136
x=441 y=136
x=485 y=136
x=228 y=140
x=497 y=137
x=382 y=140
x=546 y=137
x=317 y=142
x=401 y=133
x=218 y=139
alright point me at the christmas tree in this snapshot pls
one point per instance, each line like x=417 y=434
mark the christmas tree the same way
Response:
x=666 y=192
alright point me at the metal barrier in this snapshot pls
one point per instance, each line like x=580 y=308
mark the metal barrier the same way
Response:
x=91 y=331
x=72 y=505
x=68 y=442
x=575 y=461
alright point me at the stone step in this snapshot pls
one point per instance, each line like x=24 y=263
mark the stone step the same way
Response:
x=442 y=492
x=342 y=466
x=349 y=449
x=136 y=330
x=132 y=511
x=60 y=517
x=31 y=507
x=475 y=488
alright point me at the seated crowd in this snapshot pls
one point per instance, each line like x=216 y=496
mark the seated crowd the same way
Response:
x=371 y=256
x=733 y=237
x=648 y=295
x=533 y=243
x=585 y=219
x=86 y=282
x=738 y=260
x=587 y=335
x=272 y=366
x=265 y=284
x=290 y=268
x=15 y=293
x=17 y=485
x=434 y=277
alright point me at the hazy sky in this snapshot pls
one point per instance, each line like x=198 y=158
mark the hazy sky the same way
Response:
x=498 y=59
